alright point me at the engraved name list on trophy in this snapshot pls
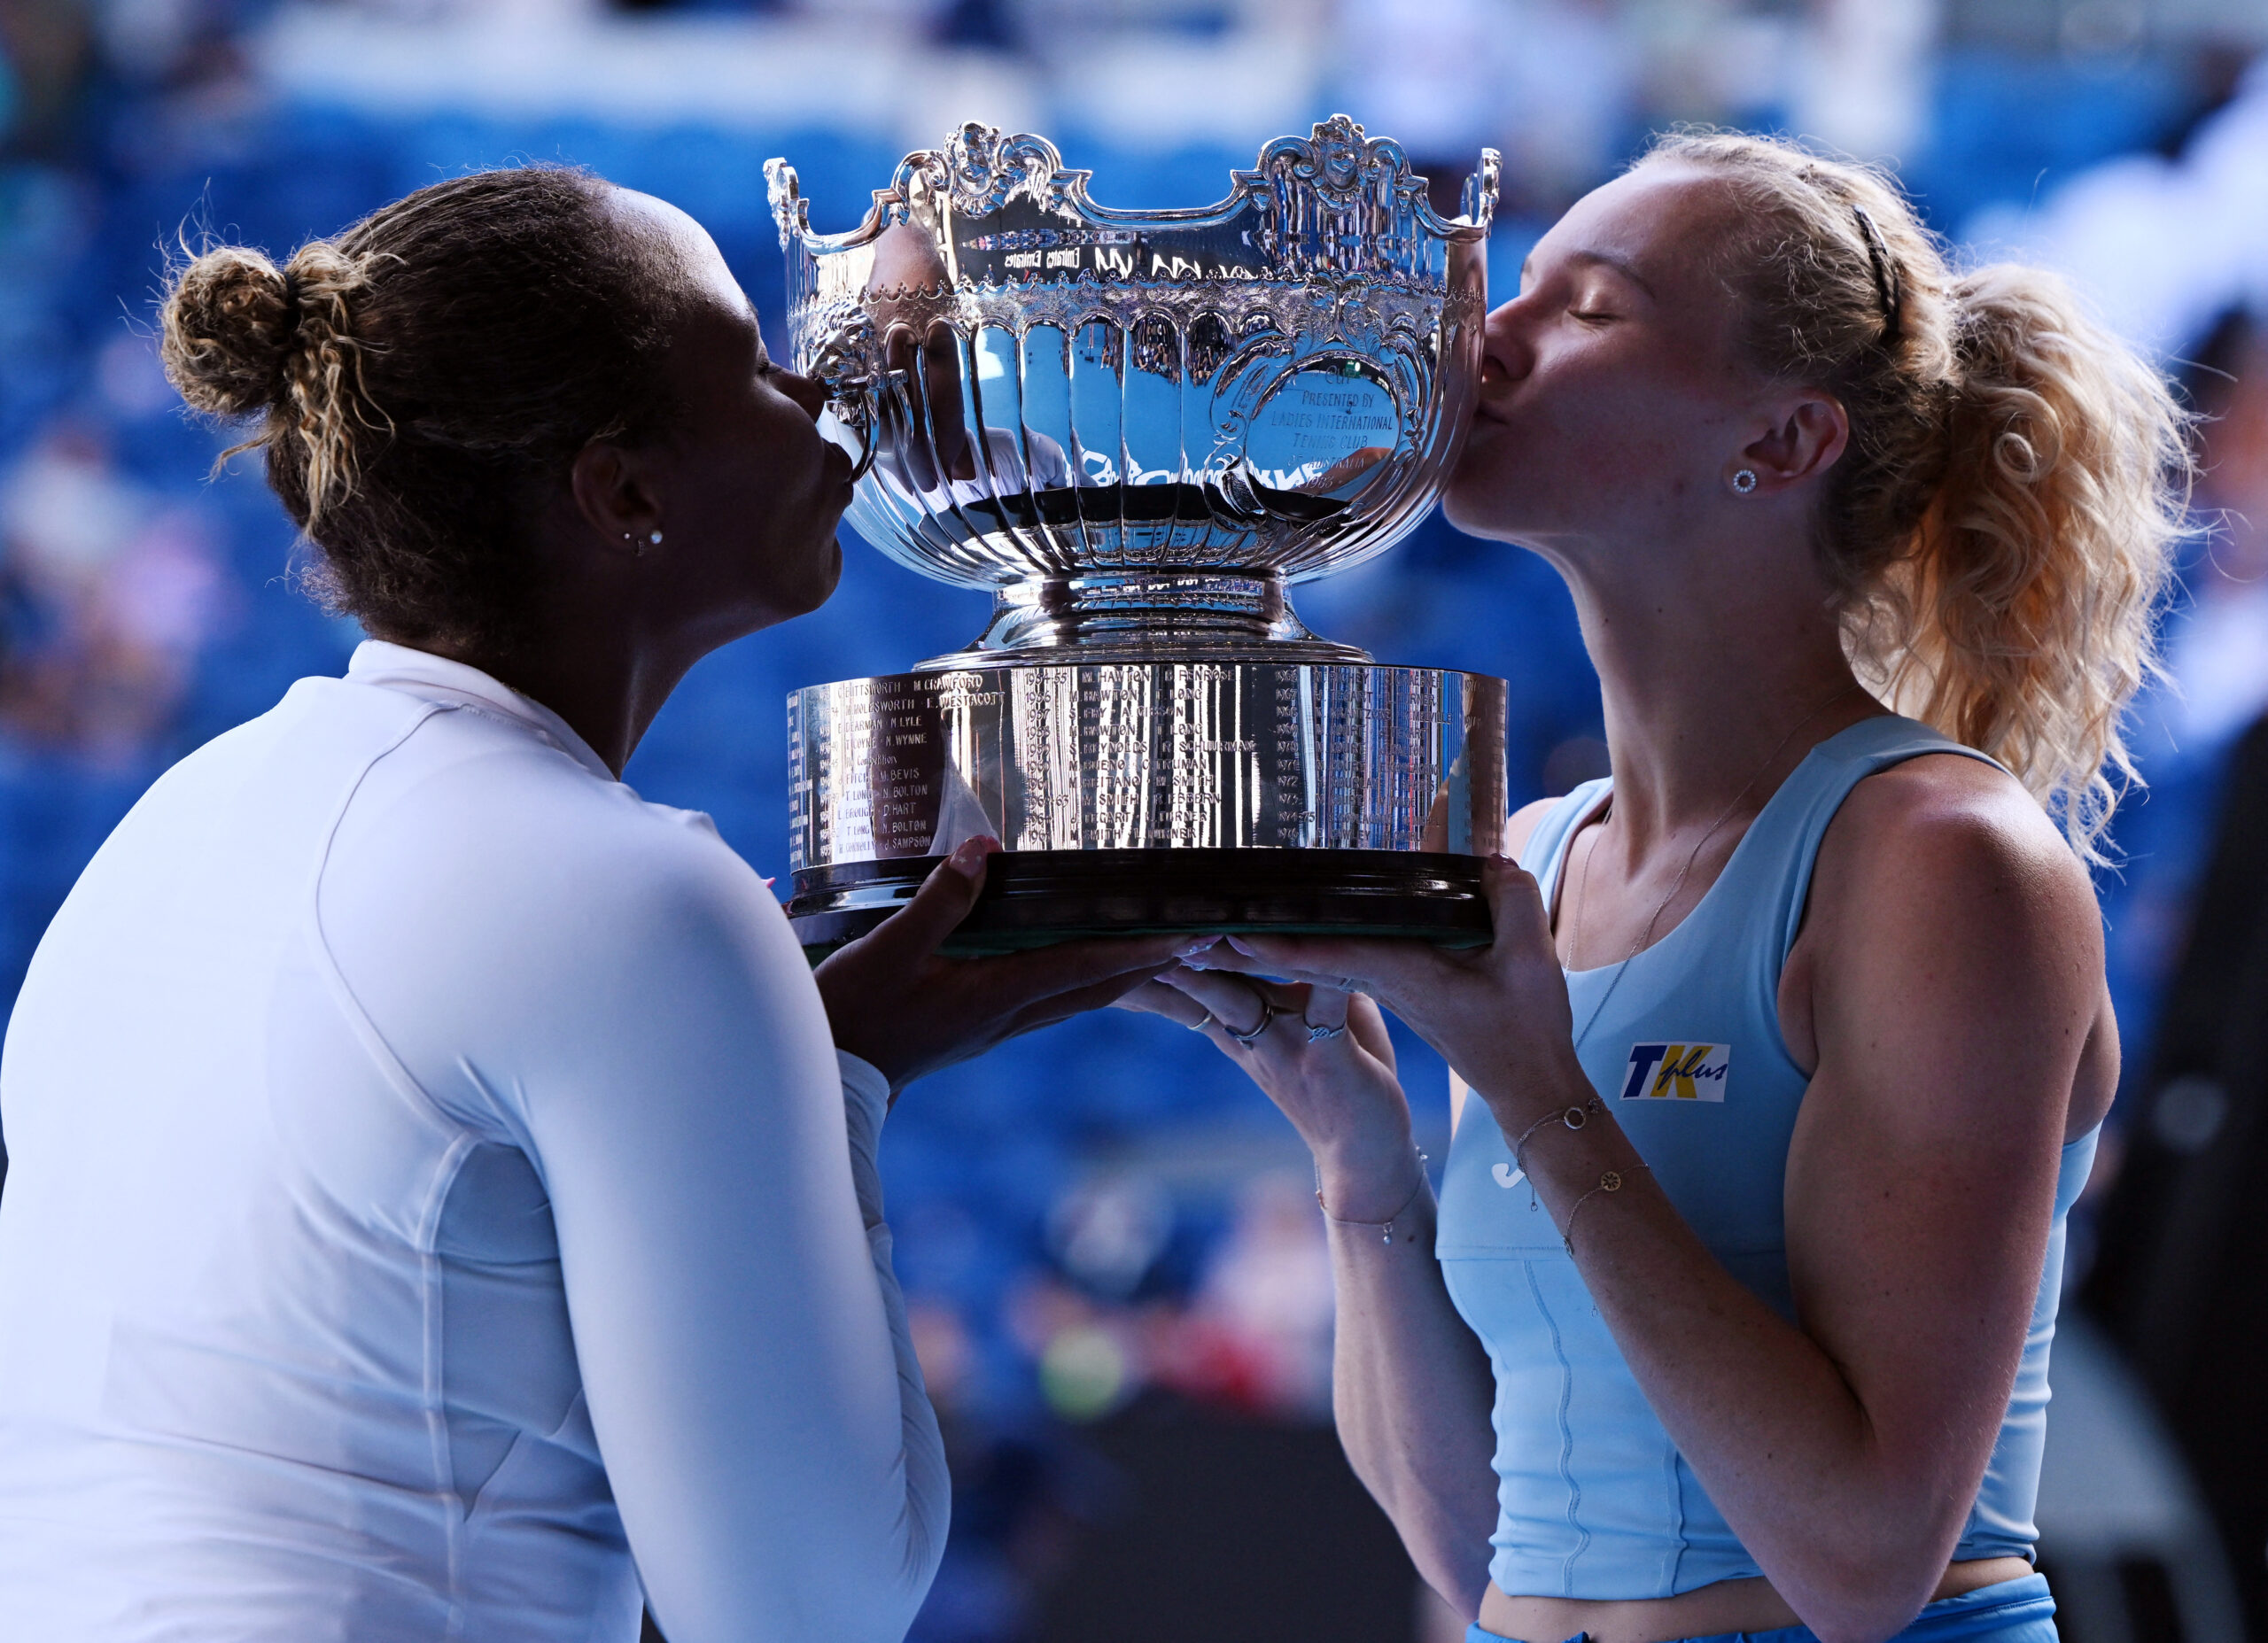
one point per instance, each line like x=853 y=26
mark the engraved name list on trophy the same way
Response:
x=1136 y=431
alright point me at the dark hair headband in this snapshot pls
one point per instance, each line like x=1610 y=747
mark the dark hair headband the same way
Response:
x=1886 y=291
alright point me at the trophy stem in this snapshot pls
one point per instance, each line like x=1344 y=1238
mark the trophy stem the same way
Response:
x=1146 y=614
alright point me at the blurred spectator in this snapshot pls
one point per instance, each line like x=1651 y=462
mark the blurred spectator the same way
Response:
x=1549 y=82
x=46 y=56
x=2164 y=244
x=2184 y=1238
x=1108 y=1232
x=2216 y=654
x=1257 y=1335
x=106 y=596
x=1252 y=1336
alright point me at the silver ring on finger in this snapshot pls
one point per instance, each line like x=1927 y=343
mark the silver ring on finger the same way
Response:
x=1207 y=1019
x=1268 y=1013
x=1316 y=1034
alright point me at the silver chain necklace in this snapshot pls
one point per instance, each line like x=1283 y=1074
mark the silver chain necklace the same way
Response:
x=1583 y=884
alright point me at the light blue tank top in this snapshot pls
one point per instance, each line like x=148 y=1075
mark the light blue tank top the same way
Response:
x=1592 y=1499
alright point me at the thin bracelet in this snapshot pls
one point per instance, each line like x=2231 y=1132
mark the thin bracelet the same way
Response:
x=1573 y=1117
x=1608 y=1181
x=1386 y=1226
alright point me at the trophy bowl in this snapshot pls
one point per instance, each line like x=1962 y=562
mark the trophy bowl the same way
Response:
x=1136 y=431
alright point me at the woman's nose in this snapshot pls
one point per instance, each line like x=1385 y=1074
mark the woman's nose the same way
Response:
x=1506 y=356
x=804 y=390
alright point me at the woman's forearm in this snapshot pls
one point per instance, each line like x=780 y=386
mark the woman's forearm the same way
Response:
x=919 y=1543
x=1411 y=1386
x=1411 y=1390
x=1818 y=1485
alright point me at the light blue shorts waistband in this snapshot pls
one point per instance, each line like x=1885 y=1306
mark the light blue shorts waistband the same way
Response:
x=2013 y=1611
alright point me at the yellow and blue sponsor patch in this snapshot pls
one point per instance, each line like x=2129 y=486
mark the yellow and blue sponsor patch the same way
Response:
x=1669 y=1071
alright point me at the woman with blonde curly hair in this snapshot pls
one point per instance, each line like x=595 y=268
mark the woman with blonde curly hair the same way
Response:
x=1792 y=1045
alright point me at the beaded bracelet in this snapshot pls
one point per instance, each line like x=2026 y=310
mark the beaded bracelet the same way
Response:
x=1608 y=1181
x=1385 y=1227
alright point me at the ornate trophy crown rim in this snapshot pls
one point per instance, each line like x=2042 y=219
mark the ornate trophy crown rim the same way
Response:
x=979 y=169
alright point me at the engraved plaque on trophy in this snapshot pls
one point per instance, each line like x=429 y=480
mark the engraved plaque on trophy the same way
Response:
x=1137 y=429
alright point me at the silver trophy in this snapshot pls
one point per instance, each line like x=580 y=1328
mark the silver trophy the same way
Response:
x=1137 y=429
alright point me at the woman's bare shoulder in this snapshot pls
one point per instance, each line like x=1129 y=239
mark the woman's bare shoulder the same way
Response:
x=1947 y=842
x=1948 y=814
x=1520 y=826
x=1946 y=860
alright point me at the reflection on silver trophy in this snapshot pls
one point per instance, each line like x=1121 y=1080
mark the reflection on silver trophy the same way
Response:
x=1135 y=429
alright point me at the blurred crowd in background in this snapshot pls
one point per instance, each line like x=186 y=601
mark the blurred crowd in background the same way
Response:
x=1104 y=1231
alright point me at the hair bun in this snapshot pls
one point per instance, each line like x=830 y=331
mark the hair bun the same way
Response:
x=229 y=323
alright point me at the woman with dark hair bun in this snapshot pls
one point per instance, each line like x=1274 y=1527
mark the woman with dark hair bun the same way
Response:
x=1790 y=1053
x=442 y=1199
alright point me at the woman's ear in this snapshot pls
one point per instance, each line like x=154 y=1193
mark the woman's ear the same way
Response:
x=1804 y=439
x=615 y=494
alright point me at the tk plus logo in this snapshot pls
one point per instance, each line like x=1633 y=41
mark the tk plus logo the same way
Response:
x=1677 y=1072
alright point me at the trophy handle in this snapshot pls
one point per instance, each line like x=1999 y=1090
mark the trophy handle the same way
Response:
x=841 y=365
x=859 y=426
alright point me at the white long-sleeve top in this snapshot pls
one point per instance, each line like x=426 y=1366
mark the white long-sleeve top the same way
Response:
x=431 y=1187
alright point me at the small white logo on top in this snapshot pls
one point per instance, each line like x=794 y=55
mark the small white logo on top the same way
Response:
x=1677 y=1073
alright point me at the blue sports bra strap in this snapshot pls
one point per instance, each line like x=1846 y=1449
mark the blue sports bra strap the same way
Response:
x=1772 y=868
x=1769 y=875
x=1547 y=845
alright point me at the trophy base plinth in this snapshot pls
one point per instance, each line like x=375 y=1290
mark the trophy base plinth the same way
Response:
x=1032 y=898
x=1163 y=796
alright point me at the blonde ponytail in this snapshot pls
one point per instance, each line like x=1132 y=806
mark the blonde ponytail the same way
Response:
x=2021 y=621
x=1999 y=532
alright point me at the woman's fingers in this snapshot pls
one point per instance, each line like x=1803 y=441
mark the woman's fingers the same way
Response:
x=1386 y=968
x=1077 y=1001
x=1154 y=997
x=1303 y=1015
x=1327 y=1006
x=912 y=933
x=1366 y=1026
x=1247 y=961
x=1516 y=906
x=1347 y=1022
x=1239 y=1004
x=1012 y=980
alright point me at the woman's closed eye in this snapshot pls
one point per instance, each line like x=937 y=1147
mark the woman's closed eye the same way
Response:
x=1593 y=304
x=1577 y=307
